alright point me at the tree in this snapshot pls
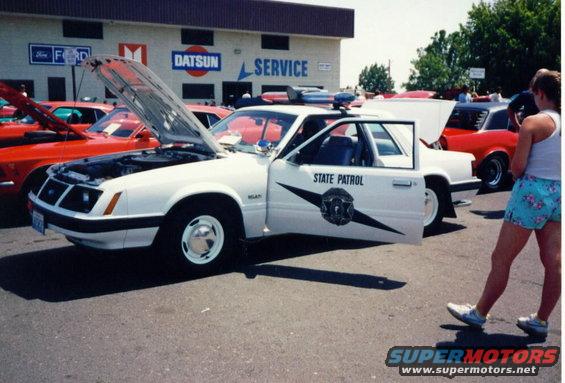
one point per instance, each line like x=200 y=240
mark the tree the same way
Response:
x=439 y=66
x=375 y=78
x=512 y=39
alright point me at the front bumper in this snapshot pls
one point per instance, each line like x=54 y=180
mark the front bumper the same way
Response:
x=97 y=232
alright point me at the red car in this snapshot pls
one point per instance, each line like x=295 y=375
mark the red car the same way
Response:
x=22 y=168
x=78 y=114
x=482 y=129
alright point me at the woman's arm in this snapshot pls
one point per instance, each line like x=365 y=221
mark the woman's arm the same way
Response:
x=525 y=139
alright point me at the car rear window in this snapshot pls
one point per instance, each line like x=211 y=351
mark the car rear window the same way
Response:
x=468 y=119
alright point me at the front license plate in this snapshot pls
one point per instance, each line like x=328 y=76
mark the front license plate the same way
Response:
x=38 y=222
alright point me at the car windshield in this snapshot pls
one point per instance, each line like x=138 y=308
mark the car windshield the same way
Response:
x=252 y=126
x=118 y=123
x=468 y=119
x=29 y=120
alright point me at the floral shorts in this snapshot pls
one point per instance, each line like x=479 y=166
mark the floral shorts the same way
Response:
x=534 y=201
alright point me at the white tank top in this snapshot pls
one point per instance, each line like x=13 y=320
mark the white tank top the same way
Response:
x=545 y=156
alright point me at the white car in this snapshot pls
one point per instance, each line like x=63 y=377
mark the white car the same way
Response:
x=261 y=171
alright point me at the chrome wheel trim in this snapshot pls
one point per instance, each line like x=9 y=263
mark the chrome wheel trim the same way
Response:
x=431 y=206
x=494 y=172
x=202 y=240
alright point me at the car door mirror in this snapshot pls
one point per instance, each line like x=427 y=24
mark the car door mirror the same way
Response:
x=144 y=135
x=264 y=147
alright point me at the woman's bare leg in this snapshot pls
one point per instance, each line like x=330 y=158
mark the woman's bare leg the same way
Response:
x=549 y=241
x=511 y=240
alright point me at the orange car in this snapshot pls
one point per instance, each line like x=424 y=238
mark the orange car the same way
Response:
x=79 y=114
x=22 y=168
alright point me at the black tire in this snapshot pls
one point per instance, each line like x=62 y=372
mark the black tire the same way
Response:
x=193 y=259
x=493 y=172
x=436 y=191
x=32 y=183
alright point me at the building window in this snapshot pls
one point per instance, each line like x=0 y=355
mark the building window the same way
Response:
x=83 y=29
x=199 y=91
x=197 y=37
x=16 y=84
x=274 y=42
x=273 y=88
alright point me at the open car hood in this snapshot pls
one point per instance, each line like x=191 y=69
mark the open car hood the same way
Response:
x=38 y=112
x=152 y=101
x=432 y=114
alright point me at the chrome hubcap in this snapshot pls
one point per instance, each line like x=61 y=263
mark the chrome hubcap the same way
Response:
x=494 y=172
x=431 y=206
x=202 y=239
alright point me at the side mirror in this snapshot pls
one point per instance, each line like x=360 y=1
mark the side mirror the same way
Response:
x=144 y=135
x=263 y=147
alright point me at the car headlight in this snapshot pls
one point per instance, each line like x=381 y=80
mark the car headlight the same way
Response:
x=81 y=199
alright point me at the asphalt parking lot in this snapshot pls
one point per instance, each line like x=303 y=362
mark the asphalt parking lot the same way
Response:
x=296 y=308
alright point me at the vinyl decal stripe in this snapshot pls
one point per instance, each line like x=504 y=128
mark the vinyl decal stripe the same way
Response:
x=358 y=217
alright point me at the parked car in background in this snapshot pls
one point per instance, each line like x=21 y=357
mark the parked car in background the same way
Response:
x=416 y=94
x=6 y=111
x=36 y=117
x=484 y=130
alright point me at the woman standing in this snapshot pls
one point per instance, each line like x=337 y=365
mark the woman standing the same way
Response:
x=534 y=205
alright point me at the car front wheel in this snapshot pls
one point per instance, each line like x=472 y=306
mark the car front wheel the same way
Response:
x=434 y=207
x=199 y=240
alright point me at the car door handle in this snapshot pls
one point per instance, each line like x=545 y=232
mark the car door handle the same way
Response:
x=402 y=183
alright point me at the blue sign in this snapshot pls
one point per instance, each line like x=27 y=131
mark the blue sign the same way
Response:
x=276 y=68
x=44 y=54
x=197 y=61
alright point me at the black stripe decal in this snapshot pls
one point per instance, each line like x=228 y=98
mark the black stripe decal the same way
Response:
x=358 y=217
x=98 y=226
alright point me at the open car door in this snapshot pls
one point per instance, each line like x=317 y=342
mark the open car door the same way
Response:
x=336 y=184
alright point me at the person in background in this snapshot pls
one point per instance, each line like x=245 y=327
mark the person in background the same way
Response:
x=23 y=90
x=246 y=94
x=464 y=96
x=378 y=95
x=523 y=105
x=496 y=96
x=534 y=205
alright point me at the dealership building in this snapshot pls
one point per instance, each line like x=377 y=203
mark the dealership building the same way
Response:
x=204 y=50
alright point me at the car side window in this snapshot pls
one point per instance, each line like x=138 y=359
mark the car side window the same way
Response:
x=212 y=118
x=384 y=142
x=498 y=121
x=202 y=118
x=344 y=145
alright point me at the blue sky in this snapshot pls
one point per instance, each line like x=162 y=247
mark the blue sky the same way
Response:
x=393 y=30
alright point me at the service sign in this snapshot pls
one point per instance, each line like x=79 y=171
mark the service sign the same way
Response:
x=270 y=67
x=196 y=61
x=45 y=54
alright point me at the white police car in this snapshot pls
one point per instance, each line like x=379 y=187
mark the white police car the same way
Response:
x=262 y=171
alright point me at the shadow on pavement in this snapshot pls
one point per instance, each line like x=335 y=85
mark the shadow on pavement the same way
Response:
x=12 y=214
x=324 y=276
x=446 y=228
x=469 y=337
x=489 y=214
x=70 y=273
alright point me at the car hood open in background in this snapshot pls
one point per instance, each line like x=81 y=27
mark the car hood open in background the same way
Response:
x=432 y=114
x=38 y=112
x=151 y=100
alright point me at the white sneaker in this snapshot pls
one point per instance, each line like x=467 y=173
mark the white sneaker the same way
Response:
x=532 y=325
x=467 y=314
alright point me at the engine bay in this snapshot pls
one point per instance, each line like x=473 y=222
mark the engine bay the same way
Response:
x=96 y=170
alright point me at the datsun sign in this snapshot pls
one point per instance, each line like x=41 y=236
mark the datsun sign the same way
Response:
x=46 y=54
x=196 y=61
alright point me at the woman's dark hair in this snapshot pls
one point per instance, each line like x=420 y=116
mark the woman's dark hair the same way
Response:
x=549 y=82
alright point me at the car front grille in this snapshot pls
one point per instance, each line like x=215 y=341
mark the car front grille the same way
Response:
x=52 y=191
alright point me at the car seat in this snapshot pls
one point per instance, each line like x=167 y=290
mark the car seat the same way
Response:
x=335 y=150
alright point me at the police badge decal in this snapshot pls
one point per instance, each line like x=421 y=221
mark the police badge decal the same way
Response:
x=337 y=206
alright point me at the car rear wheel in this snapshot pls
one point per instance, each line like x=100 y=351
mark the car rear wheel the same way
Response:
x=493 y=171
x=198 y=240
x=434 y=206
